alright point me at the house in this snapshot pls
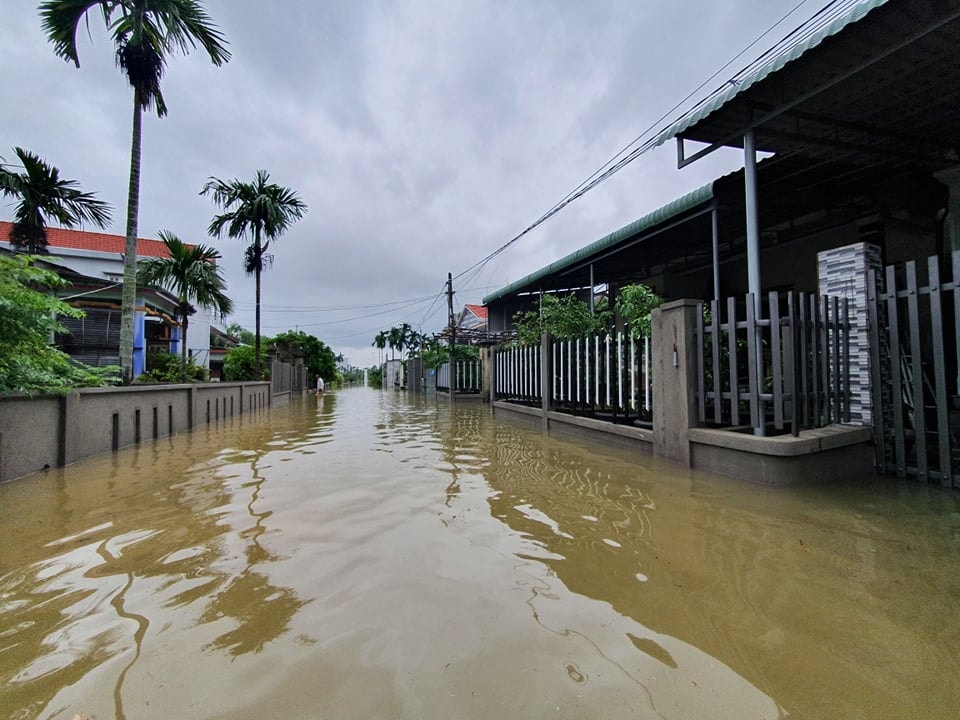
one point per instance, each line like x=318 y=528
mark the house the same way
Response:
x=92 y=263
x=472 y=317
x=859 y=198
x=220 y=344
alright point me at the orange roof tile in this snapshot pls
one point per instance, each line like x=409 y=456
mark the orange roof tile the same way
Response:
x=479 y=310
x=100 y=242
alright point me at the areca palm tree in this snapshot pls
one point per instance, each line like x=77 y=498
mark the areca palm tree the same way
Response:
x=380 y=342
x=406 y=339
x=144 y=33
x=259 y=211
x=394 y=340
x=190 y=273
x=44 y=196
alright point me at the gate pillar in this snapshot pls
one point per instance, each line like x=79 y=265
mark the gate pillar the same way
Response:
x=844 y=272
x=674 y=378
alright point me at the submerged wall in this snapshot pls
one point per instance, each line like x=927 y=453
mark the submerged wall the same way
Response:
x=47 y=431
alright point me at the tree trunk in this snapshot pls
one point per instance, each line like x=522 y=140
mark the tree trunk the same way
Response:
x=183 y=349
x=129 y=295
x=258 y=268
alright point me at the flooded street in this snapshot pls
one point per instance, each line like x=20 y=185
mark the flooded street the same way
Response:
x=373 y=556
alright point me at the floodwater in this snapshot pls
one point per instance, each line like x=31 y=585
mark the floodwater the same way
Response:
x=367 y=555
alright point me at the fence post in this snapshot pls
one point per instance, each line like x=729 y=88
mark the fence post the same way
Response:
x=488 y=374
x=69 y=446
x=546 y=377
x=674 y=378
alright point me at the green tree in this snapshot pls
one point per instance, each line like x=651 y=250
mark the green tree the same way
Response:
x=239 y=364
x=408 y=338
x=562 y=317
x=394 y=340
x=191 y=273
x=41 y=195
x=634 y=305
x=318 y=358
x=433 y=353
x=380 y=342
x=144 y=33
x=28 y=318
x=239 y=332
x=260 y=211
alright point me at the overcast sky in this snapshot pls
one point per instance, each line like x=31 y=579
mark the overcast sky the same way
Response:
x=422 y=136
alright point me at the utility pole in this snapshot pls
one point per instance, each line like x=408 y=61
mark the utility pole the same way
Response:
x=453 y=338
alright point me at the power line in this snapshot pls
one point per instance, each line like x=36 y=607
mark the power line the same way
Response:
x=621 y=160
x=320 y=308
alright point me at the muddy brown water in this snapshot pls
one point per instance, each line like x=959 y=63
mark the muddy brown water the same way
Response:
x=373 y=556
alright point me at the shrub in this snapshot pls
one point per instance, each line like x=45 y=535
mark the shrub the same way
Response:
x=28 y=318
x=164 y=367
x=240 y=364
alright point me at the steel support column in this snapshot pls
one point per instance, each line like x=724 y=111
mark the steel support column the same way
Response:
x=753 y=259
x=714 y=216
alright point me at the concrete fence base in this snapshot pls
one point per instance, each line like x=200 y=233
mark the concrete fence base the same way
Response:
x=823 y=454
x=50 y=430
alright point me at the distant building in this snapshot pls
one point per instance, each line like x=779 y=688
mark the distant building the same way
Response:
x=473 y=318
x=92 y=263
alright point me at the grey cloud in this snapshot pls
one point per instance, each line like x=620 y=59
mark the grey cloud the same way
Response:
x=423 y=135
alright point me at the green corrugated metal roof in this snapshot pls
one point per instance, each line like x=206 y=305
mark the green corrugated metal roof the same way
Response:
x=739 y=85
x=647 y=222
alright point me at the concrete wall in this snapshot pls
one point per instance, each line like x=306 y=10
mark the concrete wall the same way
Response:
x=47 y=431
x=29 y=434
x=393 y=375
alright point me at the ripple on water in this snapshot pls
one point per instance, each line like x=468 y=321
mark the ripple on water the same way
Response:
x=465 y=568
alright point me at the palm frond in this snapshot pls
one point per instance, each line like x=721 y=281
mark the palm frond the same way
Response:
x=190 y=272
x=144 y=33
x=42 y=194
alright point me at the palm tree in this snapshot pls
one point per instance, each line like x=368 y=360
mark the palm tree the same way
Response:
x=406 y=338
x=258 y=209
x=415 y=341
x=190 y=273
x=380 y=342
x=394 y=340
x=42 y=194
x=144 y=32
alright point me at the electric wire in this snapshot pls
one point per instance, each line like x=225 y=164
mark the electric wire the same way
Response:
x=798 y=35
x=626 y=155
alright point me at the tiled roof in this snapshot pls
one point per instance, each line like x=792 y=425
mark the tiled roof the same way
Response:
x=99 y=242
x=479 y=310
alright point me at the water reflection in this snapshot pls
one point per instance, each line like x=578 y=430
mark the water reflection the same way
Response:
x=364 y=554
x=260 y=611
x=70 y=614
x=777 y=584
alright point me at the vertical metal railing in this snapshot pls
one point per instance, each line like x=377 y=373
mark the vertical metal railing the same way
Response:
x=466 y=376
x=915 y=369
x=607 y=376
x=517 y=373
x=784 y=368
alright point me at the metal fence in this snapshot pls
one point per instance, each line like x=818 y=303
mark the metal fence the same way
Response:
x=787 y=370
x=606 y=374
x=597 y=375
x=915 y=356
x=467 y=376
x=518 y=374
